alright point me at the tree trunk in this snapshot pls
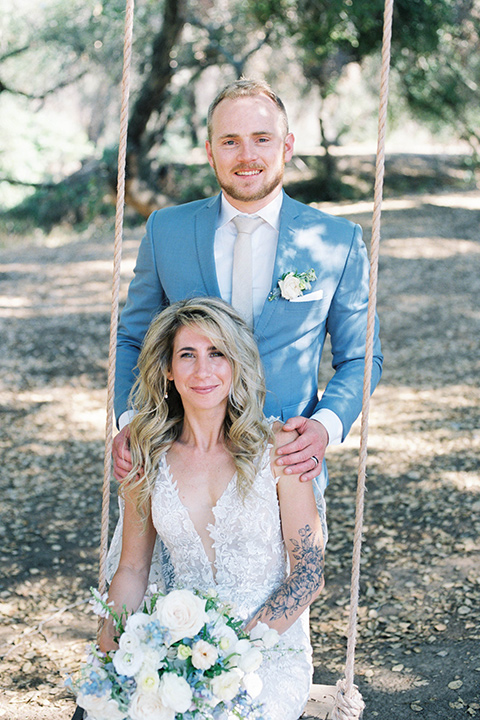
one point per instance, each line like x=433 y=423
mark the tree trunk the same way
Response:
x=152 y=93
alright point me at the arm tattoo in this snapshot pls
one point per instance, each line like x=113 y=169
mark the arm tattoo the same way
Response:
x=304 y=580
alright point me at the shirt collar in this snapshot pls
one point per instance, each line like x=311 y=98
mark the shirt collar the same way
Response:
x=270 y=213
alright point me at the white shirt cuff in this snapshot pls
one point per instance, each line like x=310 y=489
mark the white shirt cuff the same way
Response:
x=331 y=423
x=125 y=418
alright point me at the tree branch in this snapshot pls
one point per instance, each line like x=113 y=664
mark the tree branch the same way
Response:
x=42 y=96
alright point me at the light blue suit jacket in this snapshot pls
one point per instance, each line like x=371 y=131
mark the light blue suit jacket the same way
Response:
x=176 y=261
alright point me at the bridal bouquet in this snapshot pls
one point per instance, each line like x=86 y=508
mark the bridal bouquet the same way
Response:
x=182 y=657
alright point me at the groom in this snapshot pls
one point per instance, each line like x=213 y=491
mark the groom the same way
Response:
x=189 y=250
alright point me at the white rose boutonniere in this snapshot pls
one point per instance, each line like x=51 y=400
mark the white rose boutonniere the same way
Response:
x=292 y=284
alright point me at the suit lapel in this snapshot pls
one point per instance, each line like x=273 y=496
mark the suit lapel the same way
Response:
x=284 y=257
x=205 y=226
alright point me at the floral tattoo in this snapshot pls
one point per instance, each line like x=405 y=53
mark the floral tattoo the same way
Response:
x=305 y=579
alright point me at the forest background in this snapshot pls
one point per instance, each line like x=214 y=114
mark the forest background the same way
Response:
x=61 y=64
x=60 y=68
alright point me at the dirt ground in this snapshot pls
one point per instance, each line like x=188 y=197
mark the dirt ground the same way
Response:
x=418 y=650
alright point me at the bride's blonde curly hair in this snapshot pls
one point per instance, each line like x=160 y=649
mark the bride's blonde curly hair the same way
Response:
x=159 y=411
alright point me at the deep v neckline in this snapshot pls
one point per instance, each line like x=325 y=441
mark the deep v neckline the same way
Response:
x=210 y=527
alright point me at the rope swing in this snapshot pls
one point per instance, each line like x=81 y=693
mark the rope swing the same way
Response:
x=117 y=257
x=348 y=703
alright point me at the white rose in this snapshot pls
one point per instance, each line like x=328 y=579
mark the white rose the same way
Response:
x=250 y=661
x=253 y=684
x=128 y=663
x=100 y=707
x=181 y=612
x=148 y=706
x=227 y=685
x=290 y=286
x=184 y=652
x=204 y=655
x=175 y=692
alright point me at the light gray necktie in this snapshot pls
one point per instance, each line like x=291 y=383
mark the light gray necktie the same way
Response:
x=242 y=275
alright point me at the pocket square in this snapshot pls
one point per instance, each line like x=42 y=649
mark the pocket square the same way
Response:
x=309 y=297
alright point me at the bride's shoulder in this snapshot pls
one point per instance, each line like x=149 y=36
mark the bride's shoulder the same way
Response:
x=281 y=436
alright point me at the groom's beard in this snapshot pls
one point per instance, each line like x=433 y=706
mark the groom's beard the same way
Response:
x=249 y=195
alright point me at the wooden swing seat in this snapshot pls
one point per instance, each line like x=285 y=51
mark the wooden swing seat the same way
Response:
x=320 y=705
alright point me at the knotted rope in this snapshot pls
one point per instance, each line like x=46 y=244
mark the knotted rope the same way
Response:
x=349 y=703
x=117 y=256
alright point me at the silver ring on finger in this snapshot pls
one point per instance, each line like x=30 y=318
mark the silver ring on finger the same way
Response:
x=315 y=460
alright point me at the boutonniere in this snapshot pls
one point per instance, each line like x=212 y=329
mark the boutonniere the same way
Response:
x=292 y=284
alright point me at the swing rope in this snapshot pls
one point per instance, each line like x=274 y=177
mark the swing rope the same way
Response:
x=349 y=702
x=117 y=257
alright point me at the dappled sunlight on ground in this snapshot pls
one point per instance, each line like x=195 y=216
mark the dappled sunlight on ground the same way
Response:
x=417 y=649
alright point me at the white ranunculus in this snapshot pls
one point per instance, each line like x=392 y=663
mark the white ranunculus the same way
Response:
x=182 y=613
x=271 y=638
x=253 y=684
x=149 y=706
x=213 y=616
x=100 y=707
x=136 y=622
x=147 y=679
x=129 y=642
x=290 y=286
x=128 y=663
x=250 y=661
x=152 y=659
x=258 y=631
x=227 y=640
x=227 y=685
x=225 y=635
x=175 y=692
x=242 y=646
x=204 y=655
x=268 y=636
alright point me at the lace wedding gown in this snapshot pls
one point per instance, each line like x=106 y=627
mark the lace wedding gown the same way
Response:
x=250 y=563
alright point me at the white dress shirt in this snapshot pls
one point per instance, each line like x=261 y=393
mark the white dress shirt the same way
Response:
x=264 y=248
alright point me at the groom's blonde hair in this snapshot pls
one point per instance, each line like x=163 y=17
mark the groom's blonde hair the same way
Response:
x=159 y=411
x=246 y=88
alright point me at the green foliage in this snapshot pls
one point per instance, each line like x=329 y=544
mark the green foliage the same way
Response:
x=77 y=202
x=441 y=87
x=329 y=34
x=57 y=55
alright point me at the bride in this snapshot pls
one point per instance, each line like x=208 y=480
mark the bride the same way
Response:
x=204 y=482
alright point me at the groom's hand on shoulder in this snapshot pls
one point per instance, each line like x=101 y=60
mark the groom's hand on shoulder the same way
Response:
x=298 y=455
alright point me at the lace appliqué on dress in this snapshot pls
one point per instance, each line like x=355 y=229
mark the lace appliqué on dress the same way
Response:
x=250 y=563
